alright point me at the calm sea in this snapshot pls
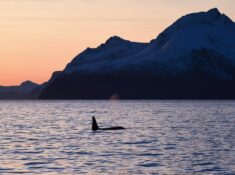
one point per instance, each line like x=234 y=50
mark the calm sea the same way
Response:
x=162 y=137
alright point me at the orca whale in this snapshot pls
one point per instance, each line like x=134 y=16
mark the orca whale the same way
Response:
x=95 y=126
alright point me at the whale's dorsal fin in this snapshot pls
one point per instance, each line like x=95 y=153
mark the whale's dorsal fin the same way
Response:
x=94 y=124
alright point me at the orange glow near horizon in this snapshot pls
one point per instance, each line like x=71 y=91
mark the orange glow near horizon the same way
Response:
x=40 y=37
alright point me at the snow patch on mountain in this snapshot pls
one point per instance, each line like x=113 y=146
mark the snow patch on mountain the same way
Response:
x=209 y=30
x=115 y=48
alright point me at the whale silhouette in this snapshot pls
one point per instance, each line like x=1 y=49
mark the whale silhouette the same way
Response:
x=95 y=126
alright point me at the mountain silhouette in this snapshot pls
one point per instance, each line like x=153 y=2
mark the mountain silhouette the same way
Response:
x=23 y=91
x=194 y=58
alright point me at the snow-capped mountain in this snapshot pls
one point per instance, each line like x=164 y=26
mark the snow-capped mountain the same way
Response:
x=198 y=49
x=211 y=30
x=115 y=49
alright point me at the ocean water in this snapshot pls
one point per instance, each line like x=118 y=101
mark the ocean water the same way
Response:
x=162 y=137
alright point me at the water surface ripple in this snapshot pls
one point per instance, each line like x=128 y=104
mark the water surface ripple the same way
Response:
x=163 y=137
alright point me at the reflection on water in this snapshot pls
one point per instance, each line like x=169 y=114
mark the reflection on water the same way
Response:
x=163 y=137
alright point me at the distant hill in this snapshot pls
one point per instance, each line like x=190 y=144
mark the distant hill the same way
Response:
x=18 y=92
x=194 y=58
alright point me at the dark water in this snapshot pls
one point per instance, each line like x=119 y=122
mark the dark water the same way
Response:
x=163 y=137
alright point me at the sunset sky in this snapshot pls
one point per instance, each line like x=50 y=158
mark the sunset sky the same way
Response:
x=38 y=37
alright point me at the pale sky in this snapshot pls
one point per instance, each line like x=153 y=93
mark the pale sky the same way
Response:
x=38 y=37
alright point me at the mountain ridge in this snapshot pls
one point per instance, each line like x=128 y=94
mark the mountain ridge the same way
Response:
x=198 y=48
x=21 y=91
